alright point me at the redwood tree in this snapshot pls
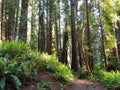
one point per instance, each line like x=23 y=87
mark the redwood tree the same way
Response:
x=0 y=19
x=23 y=21
x=75 y=51
x=41 y=31
x=118 y=38
x=90 y=57
x=11 y=19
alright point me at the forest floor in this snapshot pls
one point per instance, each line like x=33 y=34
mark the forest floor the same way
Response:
x=47 y=80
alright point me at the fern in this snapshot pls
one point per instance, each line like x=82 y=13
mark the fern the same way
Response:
x=2 y=83
x=16 y=81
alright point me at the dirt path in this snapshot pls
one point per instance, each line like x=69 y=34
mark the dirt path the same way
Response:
x=42 y=78
x=85 y=85
x=55 y=85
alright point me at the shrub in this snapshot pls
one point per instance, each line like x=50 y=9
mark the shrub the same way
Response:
x=14 y=57
x=61 y=71
x=8 y=73
x=109 y=79
x=18 y=63
x=10 y=49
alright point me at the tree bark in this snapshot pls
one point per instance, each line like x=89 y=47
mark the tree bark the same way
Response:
x=75 y=53
x=33 y=28
x=65 y=41
x=56 y=31
x=0 y=20
x=23 y=21
x=50 y=28
x=17 y=19
x=103 y=40
x=90 y=56
x=41 y=34
x=11 y=19
x=3 y=19
x=47 y=26
x=59 y=31
x=118 y=38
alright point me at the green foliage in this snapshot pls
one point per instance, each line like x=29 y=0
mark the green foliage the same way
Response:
x=113 y=65
x=2 y=83
x=8 y=72
x=12 y=56
x=16 y=80
x=12 y=48
x=18 y=64
x=110 y=9
x=61 y=71
x=109 y=79
x=44 y=86
x=83 y=73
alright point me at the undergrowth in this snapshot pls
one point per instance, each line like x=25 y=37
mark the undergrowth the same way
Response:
x=109 y=79
x=19 y=63
x=61 y=71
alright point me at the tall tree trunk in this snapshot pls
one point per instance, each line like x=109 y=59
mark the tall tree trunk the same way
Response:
x=17 y=19
x=33 y=29
x=50 y=29
x=6 y=10
x=0 y=20
x=80 y=55
x=90 y=56
x=23 y=21
x=41 y=36
x=118 y=38
x=75 y=53
x=59 y=31
x=47 y=25
x=83 y=52
x=50 y=36
x=65 y=40
x=43 y=27
x=56 y=31
x=11 y=18
x=39 y=30
x=103 y=40
x=3 y=20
